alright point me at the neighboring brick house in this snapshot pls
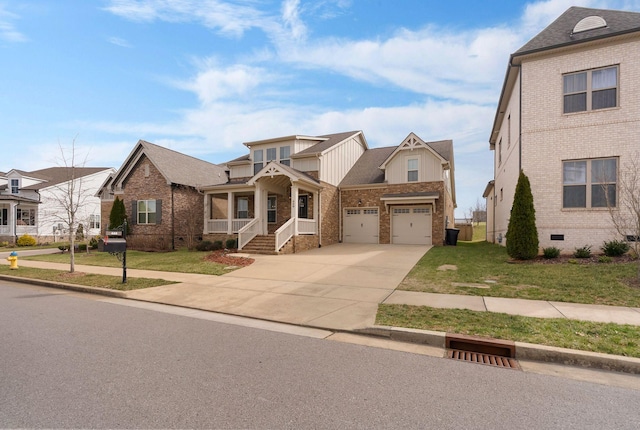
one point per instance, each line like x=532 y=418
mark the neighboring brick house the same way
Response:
x=294 y=193
x=160 y=189
x=36 y=202
x=569 y=117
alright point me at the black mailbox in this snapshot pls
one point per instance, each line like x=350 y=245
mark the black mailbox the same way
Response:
x=112 y=244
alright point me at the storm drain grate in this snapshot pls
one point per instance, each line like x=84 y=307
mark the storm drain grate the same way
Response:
x=480 y=358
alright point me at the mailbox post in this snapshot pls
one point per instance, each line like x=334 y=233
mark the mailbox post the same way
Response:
x=115 y=243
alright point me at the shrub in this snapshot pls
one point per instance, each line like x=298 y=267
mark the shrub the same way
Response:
x=231 y=244
x=205 y=245
x=604 y=259
x=615 y=248
x=4 y=244
x=82 y=247
x=217 y=245
x=583 y=252
x=522 y=235
x=551 y=252
x=26 y=240
x=93 y=243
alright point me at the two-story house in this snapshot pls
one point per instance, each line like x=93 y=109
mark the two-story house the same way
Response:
x=569 y=117
x=297 y=192
x=37 y=202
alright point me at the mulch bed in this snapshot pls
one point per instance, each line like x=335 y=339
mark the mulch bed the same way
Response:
x=594 y=259
x=222 y=257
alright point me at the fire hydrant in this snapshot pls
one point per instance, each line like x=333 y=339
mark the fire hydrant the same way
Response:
x=13 y=260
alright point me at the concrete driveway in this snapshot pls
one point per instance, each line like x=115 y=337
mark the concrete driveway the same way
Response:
x=335 y=287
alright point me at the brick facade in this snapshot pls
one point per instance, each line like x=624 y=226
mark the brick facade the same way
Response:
x=369 y=198
x=181 y=216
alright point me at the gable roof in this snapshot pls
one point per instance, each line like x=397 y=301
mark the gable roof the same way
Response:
x=57 y=175
x=560 y=33
x=412 y=140
x=175 y=167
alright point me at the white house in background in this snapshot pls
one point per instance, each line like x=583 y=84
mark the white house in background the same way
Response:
x=31 y=202
x=569 y=117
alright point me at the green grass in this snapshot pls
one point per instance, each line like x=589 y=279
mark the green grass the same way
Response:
x=477 y=262
x=479 y=231
x=86 y=279
x=181 y=261
x=606 y=338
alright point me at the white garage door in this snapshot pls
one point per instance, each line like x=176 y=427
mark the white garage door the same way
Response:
x=411 y=225
x=361 y=225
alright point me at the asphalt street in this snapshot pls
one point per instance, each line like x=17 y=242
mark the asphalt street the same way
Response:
x=69 y=360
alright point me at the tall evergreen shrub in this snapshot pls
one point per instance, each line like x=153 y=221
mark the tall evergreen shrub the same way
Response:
x=522 y=235
x=118 y=214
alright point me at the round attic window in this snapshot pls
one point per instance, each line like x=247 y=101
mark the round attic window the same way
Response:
x=590 y=23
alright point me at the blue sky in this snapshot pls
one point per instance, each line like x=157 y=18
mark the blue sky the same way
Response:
x=203 y=76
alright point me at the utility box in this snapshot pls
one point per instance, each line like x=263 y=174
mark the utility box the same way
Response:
x=112 y=244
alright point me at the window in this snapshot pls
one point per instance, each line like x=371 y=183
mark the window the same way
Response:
x=589 y=183
x=15 y=185
x=271 y=154
x=147 y=212
x=243 y=208
x=271 y=209
x=4 y=216
x=509 y=131
x=500 y=152
x=26 y=216
x=94 y=221
x=285 y=155
x=590 y=90
x=257 y=161
x=412 y=170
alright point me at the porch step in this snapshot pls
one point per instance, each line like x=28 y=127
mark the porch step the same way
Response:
x=262 y=245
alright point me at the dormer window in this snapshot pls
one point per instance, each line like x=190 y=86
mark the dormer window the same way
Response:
x=257 y=161
x=15 y=186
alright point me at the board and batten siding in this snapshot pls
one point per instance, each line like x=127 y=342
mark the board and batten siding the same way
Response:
x=429 y=166
x=241 y=171
x=337 y=162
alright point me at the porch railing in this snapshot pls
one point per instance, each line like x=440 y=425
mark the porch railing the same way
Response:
x=248 y=232
x=284 y=233
x=306 y=226
x=5 y=229
x=221 y=225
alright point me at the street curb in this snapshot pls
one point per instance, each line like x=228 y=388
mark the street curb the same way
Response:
x=524 y=351
x=73 y=287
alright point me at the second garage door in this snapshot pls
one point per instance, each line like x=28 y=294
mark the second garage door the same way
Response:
x=411 y=225
x=361 y=225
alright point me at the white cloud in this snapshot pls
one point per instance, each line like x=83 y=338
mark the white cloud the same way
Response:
x=119 y=42
x=8 y=31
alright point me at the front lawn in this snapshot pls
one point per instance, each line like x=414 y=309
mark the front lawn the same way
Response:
x=85 y=279
x=482 y=264
x=606 y=338
x=182 y=261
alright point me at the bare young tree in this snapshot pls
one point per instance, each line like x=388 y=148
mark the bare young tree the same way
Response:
x=625 y=212
x=68 y=197
x=480 y=211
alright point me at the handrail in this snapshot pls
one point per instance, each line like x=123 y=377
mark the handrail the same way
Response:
x=284 y=233
x=247 y=233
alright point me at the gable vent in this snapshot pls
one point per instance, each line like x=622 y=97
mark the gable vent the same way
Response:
x=589 y=23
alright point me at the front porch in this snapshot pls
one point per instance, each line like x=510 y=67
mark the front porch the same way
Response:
x=17 y=219
x=277 y=204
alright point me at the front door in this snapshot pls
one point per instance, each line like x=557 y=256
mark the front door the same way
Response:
x=303 y=206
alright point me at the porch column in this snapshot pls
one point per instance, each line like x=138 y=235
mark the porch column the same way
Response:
x=13 y=221
x=257 y=206
x=230 y=216
x=207 y=212
x=294 y=208
x=316 y=210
